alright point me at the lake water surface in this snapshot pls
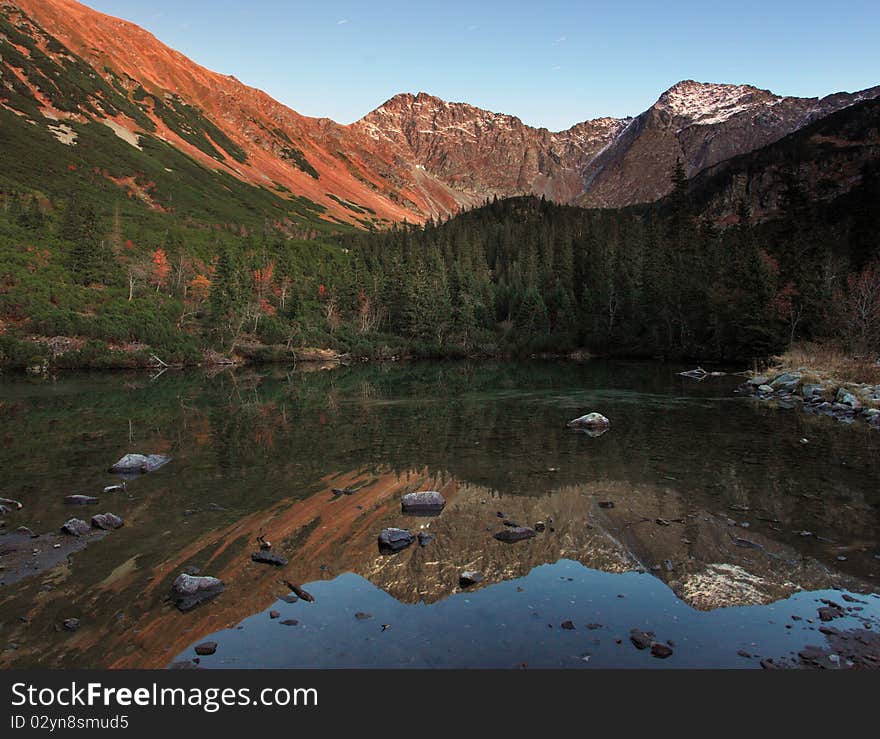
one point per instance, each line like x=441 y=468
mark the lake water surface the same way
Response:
x=715 y=523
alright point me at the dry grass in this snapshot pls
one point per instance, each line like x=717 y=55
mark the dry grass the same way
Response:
x=824 y=363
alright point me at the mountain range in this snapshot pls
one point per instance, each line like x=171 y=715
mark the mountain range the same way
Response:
x=65 y=68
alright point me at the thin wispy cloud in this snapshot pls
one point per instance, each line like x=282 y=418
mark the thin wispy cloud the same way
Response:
x=342 y=21
x=560 y=40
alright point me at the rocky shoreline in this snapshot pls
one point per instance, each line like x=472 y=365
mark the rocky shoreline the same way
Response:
x=845 y=402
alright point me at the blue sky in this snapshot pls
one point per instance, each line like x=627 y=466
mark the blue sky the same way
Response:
x=550 y=63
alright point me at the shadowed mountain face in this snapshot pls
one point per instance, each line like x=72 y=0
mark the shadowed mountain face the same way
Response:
x=66 y=67
x=714 y=500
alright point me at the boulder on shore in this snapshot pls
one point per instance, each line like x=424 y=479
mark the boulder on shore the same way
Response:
x=590 y=421
x=132 y=464
x=395 y=540
x=188 y=591
x=845 y=397
x=428 y=502
x=469 y=578
x=787 y=381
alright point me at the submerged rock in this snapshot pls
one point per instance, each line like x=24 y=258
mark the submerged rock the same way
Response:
x=267 y=558
x=660 y=650
x=469 y=578
x=428 y=502
x=640 y=639
x=80 y=500
x=139 y=463
x=514 y=534
x=395 y=540
x=75 y=527
x=590 y=421
x=107 y=521
x=189 y=591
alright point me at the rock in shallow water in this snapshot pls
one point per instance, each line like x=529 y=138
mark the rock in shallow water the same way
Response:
x=206 y=648
x=660 y=650
x=75 y=527
x=428 y=502
x=139 y=463
x=80 y=500
x=107 y=521
x=188 y=591
x=590 y=421
x=267 y=558
x=514 y=534
x=395 y=540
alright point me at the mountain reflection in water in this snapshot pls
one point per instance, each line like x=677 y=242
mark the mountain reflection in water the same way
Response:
x=721 y=518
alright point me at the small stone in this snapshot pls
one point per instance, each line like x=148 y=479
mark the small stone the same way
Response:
x=274 y=614
x=606 y=504
x=540 y=527
x=640 y=639
x=71 y=624
x=425 y=539
x=660 y=650
x=289 y=622
x=80 y=500
x=514 y=534
x=590 y=421
x=206 y=649
x=268 y=558
x=361 y=616
x=568 y=625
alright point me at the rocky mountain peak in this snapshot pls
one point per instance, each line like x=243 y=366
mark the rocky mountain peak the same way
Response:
x=708 y=103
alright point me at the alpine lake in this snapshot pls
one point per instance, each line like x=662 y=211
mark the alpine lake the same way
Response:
x=730 y=533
